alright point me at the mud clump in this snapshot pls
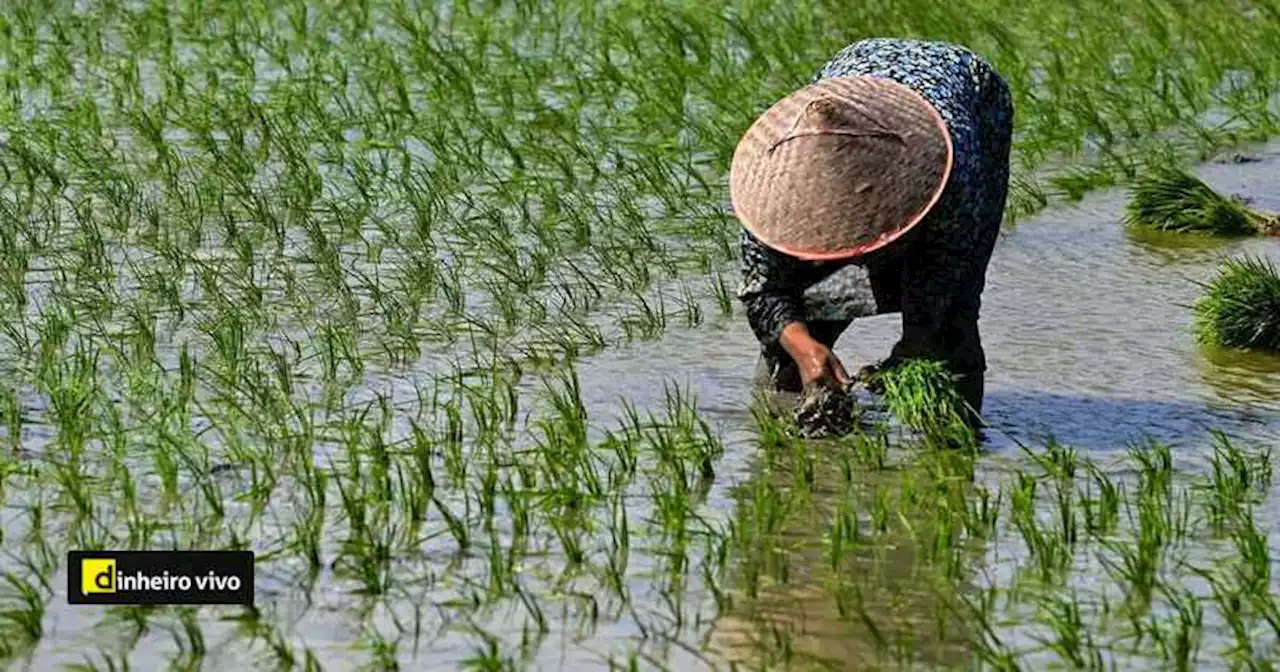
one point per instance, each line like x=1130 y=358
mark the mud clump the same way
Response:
x=826 y=411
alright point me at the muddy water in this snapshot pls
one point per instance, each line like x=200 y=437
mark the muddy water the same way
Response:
x=1088 y=338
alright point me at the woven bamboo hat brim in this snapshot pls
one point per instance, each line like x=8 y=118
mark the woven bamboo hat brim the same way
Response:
x=840 y=168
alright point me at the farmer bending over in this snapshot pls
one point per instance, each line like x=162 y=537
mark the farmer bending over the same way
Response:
x=879 y=188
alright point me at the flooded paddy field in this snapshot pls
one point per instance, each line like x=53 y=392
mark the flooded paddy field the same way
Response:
x=430 y=306
x=1105 y=364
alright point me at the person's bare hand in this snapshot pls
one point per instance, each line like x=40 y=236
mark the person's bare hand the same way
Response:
x=816 y=362
x=818 y=365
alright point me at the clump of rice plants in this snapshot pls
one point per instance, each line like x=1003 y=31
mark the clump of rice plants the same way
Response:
x=923 y=396
x=1241 y=307
x=1169 y=198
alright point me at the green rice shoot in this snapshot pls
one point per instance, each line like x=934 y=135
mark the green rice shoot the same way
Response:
x=1241 y=307
x=304 y=278
x=922 y=395
x=1169 y=198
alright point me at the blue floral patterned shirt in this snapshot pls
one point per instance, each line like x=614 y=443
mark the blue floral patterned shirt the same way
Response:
x=933 y=275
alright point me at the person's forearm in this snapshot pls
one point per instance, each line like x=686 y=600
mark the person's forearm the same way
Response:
x=796 y=339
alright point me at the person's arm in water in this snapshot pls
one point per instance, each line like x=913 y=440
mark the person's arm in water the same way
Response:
x=772 y=287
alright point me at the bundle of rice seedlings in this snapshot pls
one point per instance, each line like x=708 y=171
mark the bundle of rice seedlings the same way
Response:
x=1241 y=307
x=923 y=396
x=1169 y=198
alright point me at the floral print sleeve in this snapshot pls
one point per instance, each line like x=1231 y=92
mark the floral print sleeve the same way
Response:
x=935 y=274
x=772 y=288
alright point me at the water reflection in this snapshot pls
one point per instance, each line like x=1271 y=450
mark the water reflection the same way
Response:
x=1251 y=379
x=1163 y=248
x=823 y=590
x=1087 y=331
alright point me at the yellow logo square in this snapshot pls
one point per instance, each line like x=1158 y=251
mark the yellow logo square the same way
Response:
x=97 y=575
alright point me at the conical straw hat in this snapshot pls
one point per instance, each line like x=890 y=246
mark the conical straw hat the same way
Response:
x=839 y=168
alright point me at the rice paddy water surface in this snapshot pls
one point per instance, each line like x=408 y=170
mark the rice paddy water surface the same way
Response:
x=1092 y=354
x=429 y=305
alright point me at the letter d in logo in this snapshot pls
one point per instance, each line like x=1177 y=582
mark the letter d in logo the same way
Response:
x=97 y=575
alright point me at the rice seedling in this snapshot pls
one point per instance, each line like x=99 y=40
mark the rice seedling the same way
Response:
x=1239 y=307
x=1169 y=198
x=922 y=394
x=1072 y=642
x=1179 y=637
x=275 y=275
x=1101 y=515
x=22 y=620
x=1238 y=479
